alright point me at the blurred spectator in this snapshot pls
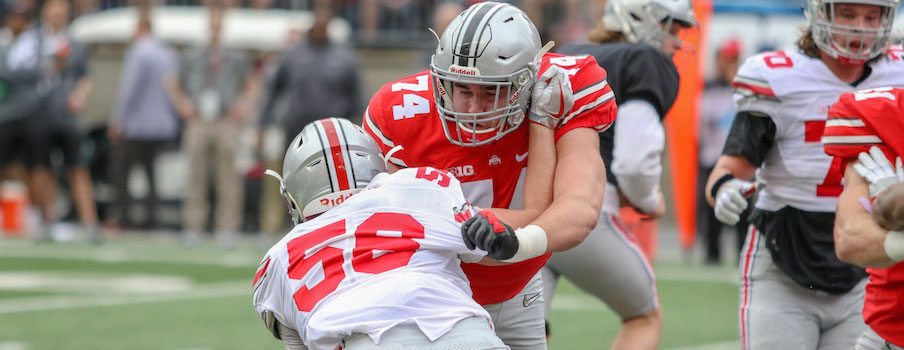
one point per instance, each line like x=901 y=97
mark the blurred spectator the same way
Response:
x=320 y=78
x=444 y=13
x=214 y=81
x=70 y=86
x=272 y=146
x=717 y=111
x=23 y=91
x=143 y=119
x=393 y=18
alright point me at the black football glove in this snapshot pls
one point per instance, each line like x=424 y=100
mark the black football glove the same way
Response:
x=485 y=231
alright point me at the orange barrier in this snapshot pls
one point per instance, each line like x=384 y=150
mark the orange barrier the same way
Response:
x=681 y=126
x=13 y=202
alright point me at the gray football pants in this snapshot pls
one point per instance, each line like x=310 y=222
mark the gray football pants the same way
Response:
x=869 y=340
x=470 y=333
x=609 y=265
x=777 y=313
x=519 y=320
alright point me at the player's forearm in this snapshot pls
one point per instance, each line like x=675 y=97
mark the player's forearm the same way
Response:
x=579 y=185
x=736 y=165
x=859 y=240
x=541 y=169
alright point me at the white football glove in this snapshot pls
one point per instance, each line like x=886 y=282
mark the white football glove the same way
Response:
x=551 y=97
x=876 y=169
x=731 y=200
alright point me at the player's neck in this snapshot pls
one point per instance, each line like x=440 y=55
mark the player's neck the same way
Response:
x=845 y=72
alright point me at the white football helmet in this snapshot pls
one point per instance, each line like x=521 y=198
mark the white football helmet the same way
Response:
x=641 y=21
x=820 y=15
x=490 y=44
x=330 y=160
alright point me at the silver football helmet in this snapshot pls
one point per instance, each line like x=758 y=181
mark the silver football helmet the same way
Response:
x=854 y=50
x=330 y=160
x=494 y=45
x=641 y=21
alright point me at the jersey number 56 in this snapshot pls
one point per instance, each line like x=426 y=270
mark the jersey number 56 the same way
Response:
x=390 y=233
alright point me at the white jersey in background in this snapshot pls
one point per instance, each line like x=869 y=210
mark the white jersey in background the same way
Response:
x=796 y=91
x=387 y=255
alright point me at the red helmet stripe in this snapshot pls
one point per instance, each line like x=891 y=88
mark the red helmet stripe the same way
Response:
x=336 y=151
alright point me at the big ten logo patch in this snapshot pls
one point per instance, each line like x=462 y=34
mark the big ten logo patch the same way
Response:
x=462 y=170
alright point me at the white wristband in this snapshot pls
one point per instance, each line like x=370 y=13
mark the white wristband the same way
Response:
x=531 y=243
x=894 y=245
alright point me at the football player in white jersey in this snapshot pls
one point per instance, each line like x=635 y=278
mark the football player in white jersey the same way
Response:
x=489 y=74
x=794 y=292
x=374 y=260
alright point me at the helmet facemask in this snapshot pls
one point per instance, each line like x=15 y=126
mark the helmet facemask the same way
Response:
x=495 y=47
x=852 y=45
x=510 y=97
x=290 y=201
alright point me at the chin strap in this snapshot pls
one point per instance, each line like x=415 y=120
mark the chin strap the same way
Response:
x=389 y=155
x=294 y=213
x=549 y=45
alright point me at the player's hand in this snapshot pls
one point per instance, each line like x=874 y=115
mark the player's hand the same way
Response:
x=876 y=169
x=660 y=209
x=551 y=97
x=485 y=231
x=731 y=200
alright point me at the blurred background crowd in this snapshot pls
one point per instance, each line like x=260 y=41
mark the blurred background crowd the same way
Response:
x=119 y=115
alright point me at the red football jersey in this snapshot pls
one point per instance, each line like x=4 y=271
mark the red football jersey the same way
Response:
x=403 y=113
x=857 y=122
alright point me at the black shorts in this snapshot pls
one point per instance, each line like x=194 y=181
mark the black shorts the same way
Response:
x=17 y=143
x=67 y=140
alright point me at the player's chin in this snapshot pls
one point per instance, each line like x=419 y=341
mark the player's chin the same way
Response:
x=888 y=208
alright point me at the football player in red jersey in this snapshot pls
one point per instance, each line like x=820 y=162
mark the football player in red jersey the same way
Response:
x=467 y=115
x=864 y=131
x=794 y=291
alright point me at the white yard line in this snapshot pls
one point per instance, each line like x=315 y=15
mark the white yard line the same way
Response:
x=122 y=254
x=47 y=303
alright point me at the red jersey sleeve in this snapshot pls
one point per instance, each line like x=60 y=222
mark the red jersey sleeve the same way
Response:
x=396 y=110
x=594 y=102
x=374 y=122
x=860 y=120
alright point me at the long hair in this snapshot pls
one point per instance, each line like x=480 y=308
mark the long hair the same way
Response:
x=601 y=35
x=806 y=44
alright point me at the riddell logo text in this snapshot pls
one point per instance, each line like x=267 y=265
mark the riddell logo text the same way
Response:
x=461 y=171
x=332 y=202
x=514 y=98
x=464 y=70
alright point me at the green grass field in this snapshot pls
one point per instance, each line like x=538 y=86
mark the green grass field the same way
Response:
x=148 y=292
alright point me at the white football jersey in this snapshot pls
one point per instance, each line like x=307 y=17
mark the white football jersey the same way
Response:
x=387 y=255
x=796 y=91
